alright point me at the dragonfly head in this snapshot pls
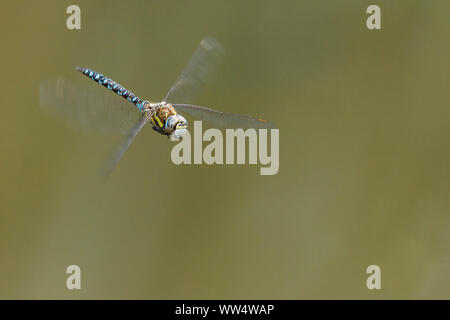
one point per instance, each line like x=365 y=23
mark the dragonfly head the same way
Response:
x=177 y=125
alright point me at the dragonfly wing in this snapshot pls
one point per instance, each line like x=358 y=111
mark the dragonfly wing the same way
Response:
x=90 y=107
x=198 y=71
x=118 y=151
x=223 y=120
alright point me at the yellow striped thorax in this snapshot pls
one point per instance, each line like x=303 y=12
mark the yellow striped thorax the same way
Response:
x=166 y=120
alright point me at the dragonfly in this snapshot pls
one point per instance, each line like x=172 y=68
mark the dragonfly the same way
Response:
x=100 y=111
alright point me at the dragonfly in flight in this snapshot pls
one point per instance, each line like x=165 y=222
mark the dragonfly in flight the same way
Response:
x=100 y=111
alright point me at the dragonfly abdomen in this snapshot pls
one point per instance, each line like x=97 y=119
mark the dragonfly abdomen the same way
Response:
x=112 y=85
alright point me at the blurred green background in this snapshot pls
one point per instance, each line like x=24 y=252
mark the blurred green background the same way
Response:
x=364 y=158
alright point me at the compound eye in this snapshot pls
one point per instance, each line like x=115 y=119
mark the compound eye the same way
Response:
x=171 y=121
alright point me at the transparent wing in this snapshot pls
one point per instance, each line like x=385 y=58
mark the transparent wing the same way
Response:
x=118 y=151
x=89 y=106
x=198 y=71
x=224 y=120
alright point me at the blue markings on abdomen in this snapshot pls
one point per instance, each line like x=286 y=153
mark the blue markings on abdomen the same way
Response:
x=111 y=85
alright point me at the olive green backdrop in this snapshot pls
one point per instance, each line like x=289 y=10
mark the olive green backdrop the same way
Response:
x=364 y=158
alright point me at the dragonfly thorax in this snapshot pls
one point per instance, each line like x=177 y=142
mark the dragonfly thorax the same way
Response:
x=166 y=120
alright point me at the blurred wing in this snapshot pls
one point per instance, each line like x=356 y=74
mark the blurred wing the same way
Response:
x=223 y=120
x=90 y=107
x=198 y=71
x=118 y=151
